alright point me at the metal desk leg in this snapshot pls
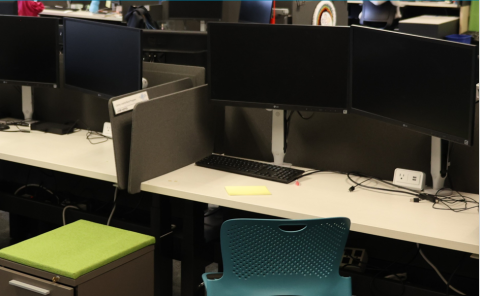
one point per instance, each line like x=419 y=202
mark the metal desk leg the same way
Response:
x=192 y=247
x=160 y=223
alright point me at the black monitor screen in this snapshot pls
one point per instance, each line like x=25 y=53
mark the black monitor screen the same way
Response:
x=102 y=58
x=279 y=66
x=255 y=12
x=9 y=7
x=420 y=83
x=29 y=50
x=200 y=10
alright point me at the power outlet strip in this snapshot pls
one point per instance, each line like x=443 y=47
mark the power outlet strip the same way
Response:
x=410 y=179
x=107 y=129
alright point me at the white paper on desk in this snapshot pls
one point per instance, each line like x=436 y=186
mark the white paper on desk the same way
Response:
x=126 y=104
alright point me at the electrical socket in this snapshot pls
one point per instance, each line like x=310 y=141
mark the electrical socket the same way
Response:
x=107 y=129
x=411 y=179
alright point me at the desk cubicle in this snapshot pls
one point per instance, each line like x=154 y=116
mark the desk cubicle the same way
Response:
x=73 y=154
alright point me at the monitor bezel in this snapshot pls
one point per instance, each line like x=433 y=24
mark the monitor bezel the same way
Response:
x=271 y=105
x=195 y=18
x=89 y=91
x=56 y=84
x=423 y=130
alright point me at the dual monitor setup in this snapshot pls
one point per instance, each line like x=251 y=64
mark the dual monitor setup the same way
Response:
x=422 y=84
x=101 y=59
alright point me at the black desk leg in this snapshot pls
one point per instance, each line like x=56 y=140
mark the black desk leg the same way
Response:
x=160 y=219
x=192 y=247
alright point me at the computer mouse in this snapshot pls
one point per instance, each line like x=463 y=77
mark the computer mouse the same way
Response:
x=4 y=127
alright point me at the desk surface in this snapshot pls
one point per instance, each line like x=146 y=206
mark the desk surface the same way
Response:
x=81 y=14
x=419 y=3
x=319 y=195
x=327 y=195
x=71 y=153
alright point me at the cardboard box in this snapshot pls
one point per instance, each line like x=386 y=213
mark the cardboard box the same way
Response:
x=430 y=26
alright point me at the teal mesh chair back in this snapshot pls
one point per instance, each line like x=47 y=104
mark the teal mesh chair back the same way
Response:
x=282 y=257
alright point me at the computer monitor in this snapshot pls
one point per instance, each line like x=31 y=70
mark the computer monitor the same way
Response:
x=420 y=83
x=102 y=59
x=8 y=8
x=255 y=12
x=29 y=51
x=279 y=66
x=29 y=55
x=198 y=10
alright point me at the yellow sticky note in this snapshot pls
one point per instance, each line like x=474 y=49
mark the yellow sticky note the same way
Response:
x=108 y=4
x=247 y=190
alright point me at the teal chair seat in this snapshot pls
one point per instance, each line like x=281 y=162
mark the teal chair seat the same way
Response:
x=281 y=257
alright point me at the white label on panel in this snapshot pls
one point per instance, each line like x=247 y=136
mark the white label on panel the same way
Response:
x=126 y=104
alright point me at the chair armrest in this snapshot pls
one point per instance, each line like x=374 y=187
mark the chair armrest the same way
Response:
x=212 y=276
x=208 y=281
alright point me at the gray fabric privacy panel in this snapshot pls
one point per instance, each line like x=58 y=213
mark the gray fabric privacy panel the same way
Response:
x=122 y=126
x=169 y=133
x=158 y=73
x=348 y=143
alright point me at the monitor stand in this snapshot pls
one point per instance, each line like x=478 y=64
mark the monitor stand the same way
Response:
x=438 y=164
x=27 y=108
x=27 y=104
x=203 y=26
x=279 y=123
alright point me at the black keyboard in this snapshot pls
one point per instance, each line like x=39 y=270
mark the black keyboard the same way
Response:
x=250 y=168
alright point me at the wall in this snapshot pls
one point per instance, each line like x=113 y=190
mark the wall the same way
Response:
x=347 y=143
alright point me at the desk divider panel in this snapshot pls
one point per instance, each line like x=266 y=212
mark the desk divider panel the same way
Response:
x=159 y=73
x=122 y=126
x=168 y=133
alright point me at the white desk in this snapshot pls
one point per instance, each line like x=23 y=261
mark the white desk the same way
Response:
x=419 y=3
x=81 y=14
x=327 y=195
x=72 y=154
x=319 y=195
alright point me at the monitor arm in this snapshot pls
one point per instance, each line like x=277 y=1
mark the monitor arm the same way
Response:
x=439 y=162
x=203 y=26
x=279 y=125
x=27 y=103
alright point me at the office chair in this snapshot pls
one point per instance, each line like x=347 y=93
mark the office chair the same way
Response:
x=8 y=8
x=381 y=16
x=281 y=257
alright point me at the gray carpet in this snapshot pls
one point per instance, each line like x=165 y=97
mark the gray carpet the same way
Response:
x=5 y=241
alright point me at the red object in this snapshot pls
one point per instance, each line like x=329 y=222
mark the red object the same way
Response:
x=30 y=8
x=272 y=19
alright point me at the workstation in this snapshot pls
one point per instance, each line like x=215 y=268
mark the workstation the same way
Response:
x=197 y=129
